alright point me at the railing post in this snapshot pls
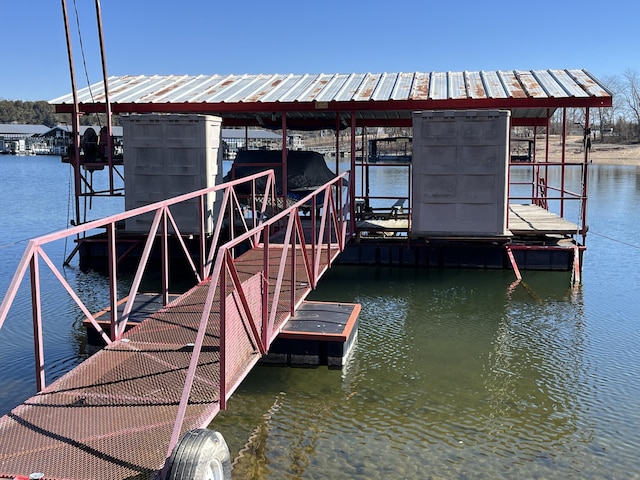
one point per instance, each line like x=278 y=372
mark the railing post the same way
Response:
x=223 y=332
x=36 y=310
x=113 y=285
x=164 y=249
x=265 y=289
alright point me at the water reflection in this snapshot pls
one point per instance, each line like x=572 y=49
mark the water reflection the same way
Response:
x=452 y=374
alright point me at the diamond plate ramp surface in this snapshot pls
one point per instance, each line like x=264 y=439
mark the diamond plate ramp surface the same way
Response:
x=111 y=417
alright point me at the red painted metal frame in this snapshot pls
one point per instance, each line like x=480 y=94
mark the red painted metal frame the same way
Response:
x=334 y=220
x=162 y=211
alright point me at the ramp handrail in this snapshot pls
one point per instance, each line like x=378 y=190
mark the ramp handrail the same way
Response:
x=226 y=285
x=229 y=208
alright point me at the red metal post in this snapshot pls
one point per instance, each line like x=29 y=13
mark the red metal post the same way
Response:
x=564 y=149
x=284 y=160
x=265 y=289
x=223 y=330
x=75 y=118
x=107 y=101
x=36 y=310
x=352 y=185
x=337 y=143
x=164 y=251
x=113 y=286
x=585 y=179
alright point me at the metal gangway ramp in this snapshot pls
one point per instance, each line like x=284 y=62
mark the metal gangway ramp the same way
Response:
x=120 y=413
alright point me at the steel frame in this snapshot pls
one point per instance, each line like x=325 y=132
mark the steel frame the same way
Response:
x=160 y=230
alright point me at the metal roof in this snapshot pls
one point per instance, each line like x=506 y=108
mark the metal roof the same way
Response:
x=376 y=98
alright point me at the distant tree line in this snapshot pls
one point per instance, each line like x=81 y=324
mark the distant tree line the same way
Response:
x=30 y=113
x=42 y=113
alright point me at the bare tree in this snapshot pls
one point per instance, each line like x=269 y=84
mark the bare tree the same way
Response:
x=631 y=96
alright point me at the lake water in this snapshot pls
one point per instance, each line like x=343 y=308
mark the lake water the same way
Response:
x=454 y=375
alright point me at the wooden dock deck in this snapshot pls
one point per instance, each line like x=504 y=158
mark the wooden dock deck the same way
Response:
x=112 y=416
x=523 y=220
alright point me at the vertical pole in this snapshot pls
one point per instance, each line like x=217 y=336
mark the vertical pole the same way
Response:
x=546 y=154
x=113 y=285
x=36 y=310
x=75 y=120
x=337 y=143
x=164 y=249
x=284 y=160
x=352 y=186
x=266 y=334
x=585 y=179
x=223 y=331
x=105 y=80
x=564 y=149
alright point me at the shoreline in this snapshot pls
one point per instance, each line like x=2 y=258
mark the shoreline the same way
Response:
x=600 y=154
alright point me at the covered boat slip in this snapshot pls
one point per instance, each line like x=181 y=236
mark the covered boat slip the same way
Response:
x=356 y=103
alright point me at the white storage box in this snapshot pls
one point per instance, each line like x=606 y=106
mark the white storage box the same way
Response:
x=460 y=173
x=170 y=155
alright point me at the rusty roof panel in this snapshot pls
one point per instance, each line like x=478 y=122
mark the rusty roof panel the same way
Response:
x=344 y=88
x=241 y=89
x=277 y=93
x=493 y=85
x=270 y=83
x=589 y=83
x=530 y=84
x=298 y=89
x=475 y=87
x=420 y=87
x=512 y=85
x=331 y=89
x=568 y=83
x=319 y=83
x=549 y=84
x=351 y=86
x=367 y=87
x=191 y=88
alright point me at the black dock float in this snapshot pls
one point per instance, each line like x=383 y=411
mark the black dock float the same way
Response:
x=319 y=333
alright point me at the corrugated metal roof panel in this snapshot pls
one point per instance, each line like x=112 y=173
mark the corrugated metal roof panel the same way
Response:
x=402 y=88
x=456 y=86
x=568 y=83
x=512 y=85
x=438 y=86
x=504 y=88
x=367 y=87
x=530 y=84
x=420 y=88
x=493 y=85
x=475 y=87
x=549 y=84
x=331 y=89
x=351 y=86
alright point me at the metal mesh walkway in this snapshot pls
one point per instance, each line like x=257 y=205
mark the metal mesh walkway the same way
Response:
x=112 y=416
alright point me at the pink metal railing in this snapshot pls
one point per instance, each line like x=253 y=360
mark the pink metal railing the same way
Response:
x=163 y=218
x=238 y=299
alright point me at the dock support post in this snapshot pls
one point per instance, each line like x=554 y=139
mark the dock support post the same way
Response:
x=514 y=265
x=576 y=277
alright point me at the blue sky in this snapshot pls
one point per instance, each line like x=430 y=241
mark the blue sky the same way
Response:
x=333 y=36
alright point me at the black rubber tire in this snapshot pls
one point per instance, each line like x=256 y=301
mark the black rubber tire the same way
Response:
x=200 y=455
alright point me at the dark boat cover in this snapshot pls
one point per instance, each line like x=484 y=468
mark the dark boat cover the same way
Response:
x=306 y=170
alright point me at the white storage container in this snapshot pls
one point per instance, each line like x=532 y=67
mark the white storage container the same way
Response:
x=170 y=155
x=460 y=173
